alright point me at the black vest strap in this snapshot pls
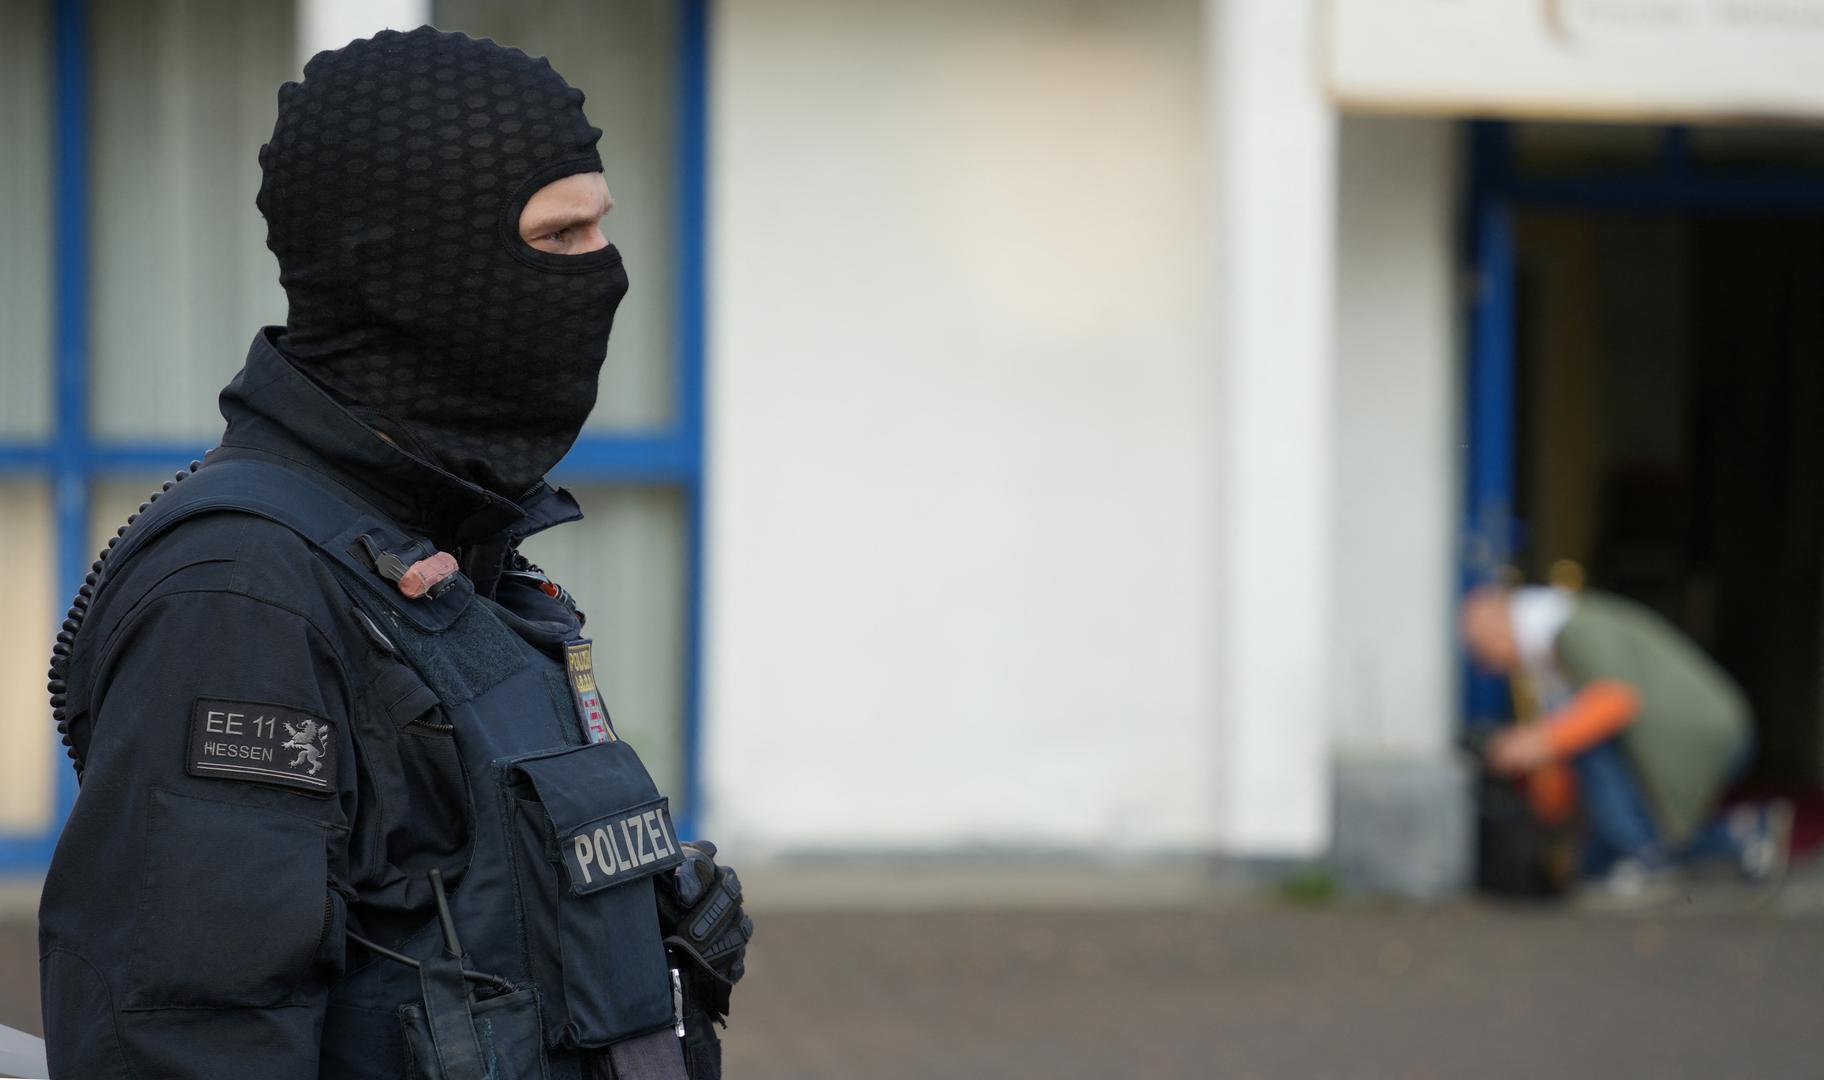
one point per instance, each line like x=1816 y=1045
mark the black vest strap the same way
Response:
x=330 y=518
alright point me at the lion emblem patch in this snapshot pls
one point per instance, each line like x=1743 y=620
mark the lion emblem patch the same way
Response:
x=311 y=740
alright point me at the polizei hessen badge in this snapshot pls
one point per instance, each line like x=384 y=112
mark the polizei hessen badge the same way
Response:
x=263 y=744
x=579 y=664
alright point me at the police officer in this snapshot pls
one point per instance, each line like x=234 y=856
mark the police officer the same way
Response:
x=351 y=803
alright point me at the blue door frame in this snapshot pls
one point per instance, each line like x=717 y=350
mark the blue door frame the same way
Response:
x=1497 y=189
x=72 y=458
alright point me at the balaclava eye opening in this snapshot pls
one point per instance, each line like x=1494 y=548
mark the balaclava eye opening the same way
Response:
x=392 y=190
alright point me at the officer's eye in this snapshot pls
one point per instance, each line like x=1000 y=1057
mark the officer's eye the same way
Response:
x=577 y=236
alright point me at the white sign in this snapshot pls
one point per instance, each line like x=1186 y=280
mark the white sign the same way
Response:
x=1625 y=59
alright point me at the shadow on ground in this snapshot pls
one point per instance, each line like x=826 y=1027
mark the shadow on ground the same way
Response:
x=1454 y=992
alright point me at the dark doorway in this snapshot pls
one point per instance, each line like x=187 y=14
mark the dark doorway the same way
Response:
x=1670 y=439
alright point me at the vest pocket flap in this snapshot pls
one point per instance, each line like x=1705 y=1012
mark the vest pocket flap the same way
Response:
x=594 y=834
x=608 y=823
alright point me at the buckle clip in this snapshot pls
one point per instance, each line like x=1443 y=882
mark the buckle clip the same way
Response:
x=417 y=567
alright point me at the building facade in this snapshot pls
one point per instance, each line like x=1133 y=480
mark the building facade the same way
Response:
x=1033 y=425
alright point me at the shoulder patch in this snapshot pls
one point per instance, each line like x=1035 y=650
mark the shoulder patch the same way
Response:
x=262 y=743
x=579 y=664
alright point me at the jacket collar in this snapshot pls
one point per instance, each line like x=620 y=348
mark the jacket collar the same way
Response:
x=272 y=407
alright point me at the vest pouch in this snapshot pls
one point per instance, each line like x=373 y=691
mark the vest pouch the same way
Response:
x=594 y=833
x=507 y=1041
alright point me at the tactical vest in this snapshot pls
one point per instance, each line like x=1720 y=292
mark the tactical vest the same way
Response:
x=566 y=834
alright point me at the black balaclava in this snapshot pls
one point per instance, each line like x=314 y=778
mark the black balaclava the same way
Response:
x=392 y=191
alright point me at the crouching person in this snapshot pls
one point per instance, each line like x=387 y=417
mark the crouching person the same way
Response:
x=1650 y=727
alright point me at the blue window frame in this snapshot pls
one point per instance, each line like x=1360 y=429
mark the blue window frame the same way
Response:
x=1498 y=188
x=72 y=458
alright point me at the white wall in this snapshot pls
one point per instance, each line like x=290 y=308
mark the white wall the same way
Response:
x=962 y=532
x=331 y=24
x=1652 y=60
x=1398 y=450
x=1274 y=145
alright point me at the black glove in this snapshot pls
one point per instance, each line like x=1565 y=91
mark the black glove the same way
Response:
x=701 y=916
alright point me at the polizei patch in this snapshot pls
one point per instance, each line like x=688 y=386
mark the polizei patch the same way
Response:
x=262 y=743
x=620 y=847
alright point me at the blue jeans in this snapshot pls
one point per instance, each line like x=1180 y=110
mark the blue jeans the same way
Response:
x=1621 y=822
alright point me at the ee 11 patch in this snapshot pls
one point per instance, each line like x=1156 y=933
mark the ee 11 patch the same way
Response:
x=262 y=743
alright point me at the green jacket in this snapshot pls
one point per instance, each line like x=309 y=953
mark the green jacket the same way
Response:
x=1694 y=722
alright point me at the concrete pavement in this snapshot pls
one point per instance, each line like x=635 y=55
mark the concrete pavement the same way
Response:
x=1239 y=990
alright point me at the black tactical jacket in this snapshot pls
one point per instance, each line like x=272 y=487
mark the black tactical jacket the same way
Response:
x=193 y=920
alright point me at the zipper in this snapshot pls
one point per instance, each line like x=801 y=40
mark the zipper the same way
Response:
x=432 y=727
x=329 y=920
